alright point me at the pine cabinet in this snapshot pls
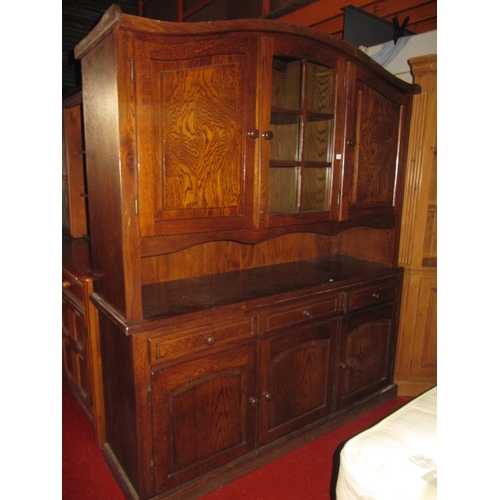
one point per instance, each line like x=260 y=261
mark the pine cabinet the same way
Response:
x=244 y=183
x=416 y=365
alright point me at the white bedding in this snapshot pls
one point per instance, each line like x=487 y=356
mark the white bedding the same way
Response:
x=396 y=459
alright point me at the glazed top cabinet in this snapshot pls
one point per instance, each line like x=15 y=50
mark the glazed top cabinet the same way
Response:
x=244 y=182
x=239 y=131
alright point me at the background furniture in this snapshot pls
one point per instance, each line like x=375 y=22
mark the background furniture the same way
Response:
x=416 y=365
x=245 y=186
x=81 y=358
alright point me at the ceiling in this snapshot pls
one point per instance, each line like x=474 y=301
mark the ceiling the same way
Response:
x=78 y=19
x=80 y=16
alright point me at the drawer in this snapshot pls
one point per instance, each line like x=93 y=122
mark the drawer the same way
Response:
x=201 y=339
x=301 y=310
x=368 y=296
x=72 y=286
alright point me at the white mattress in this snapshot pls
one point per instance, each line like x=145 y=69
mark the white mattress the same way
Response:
x=396 y=458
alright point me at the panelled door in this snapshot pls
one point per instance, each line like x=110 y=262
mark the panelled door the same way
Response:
x=196 y=104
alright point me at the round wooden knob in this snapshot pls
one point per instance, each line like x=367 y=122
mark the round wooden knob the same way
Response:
x=376 y=295
x=66 y=284
x=267 y=396
x=253 y=401
x=306 y=314
x=210 y=340
x=253 y=134
x=268 y=135
x=344 y=366
x=352 y=143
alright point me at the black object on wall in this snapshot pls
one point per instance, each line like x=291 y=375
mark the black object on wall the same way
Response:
x=363 y=28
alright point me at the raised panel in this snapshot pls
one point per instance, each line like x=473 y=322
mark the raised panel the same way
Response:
x=376 y=122
x=296 y=386
x=367 y=347
x=195 y=107
x=377 y=130
x=210 y=396
x=424 y=358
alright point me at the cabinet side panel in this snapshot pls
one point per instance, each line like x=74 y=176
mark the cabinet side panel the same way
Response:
x=119 y=398
x=100 y=97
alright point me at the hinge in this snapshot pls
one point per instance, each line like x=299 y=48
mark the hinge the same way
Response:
x=149 y=396
x=136 y=205
x=132 y=70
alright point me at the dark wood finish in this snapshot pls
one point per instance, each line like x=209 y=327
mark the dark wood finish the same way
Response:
x=80 y=334
x=225 y=326
x=296 y=377
x=367 y=352
x=74 y=189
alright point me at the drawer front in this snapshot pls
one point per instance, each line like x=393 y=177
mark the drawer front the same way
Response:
x=357 y=299
x=72 y=286
x=302 y=310
x=201 y=339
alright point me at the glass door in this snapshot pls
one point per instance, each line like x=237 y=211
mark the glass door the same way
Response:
x=301 y=136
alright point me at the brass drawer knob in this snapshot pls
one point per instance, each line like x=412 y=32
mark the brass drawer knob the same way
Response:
x=210 y=340
x=66 y=284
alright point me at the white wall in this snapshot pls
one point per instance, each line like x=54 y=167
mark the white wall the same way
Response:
x=394 y=58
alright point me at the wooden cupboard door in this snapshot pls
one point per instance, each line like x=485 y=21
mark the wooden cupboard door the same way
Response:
x=202 y=415
x=297 y=378
x=367 y=348
x=424 y=356
x=196 y=104
x=375 y=122
x=74 y=355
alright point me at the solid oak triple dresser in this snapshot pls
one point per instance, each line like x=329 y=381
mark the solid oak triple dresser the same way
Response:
x=245 y=182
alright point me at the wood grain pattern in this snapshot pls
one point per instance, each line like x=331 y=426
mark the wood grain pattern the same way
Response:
x=377 y=147
x=200 y=133
x=416 y=363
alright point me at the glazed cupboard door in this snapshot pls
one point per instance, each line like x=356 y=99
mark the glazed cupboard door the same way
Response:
x=297 y=378
x=195 y=107
x=202 y=415
x=367 y=345
x=377 y=119
x=298 y=132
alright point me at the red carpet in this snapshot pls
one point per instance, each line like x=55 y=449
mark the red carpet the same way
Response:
x=303 y=474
